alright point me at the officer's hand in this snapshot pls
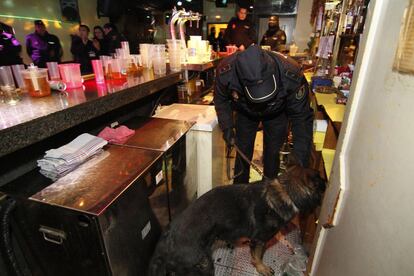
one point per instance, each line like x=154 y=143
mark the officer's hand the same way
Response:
x=229 y=136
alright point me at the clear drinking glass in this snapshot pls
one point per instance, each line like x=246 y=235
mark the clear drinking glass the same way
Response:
x=125 y=46
x=98 y=71
x=17 y=68
x=158 y=58
x=145 y=51
x=53 y=69
x=174 y=54
x=7 y=86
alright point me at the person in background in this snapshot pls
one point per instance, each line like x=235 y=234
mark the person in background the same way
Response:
x=113 y=38
x=221 y=44
x=42 y=46
x=240 y=31
x=274 y=36
x=9 y=48
x=212 y=38
x=83 y=49
x=99 y=40
x=267 y=87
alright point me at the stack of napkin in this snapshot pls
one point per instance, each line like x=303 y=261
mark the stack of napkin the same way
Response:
x=60 y=161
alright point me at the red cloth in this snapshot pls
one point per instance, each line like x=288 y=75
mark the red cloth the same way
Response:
x=117 y=135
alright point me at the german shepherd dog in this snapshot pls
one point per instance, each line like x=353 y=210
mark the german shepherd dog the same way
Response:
x=257 y=211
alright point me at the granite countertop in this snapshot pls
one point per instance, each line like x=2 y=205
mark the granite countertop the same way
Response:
x=34 y=119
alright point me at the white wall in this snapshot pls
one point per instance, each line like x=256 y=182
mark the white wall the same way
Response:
x=303 y=27
x=47 y=9
x=375 y=231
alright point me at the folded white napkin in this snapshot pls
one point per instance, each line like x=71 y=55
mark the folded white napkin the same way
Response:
x=60 y=161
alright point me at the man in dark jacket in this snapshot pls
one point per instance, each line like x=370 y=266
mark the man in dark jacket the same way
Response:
x=240 y=31
x=43 y=47
x=267 y=87
x=274 y=36
x=84 y=50
x=113 y=38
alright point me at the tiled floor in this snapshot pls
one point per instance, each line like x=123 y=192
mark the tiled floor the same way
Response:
x=237 y=260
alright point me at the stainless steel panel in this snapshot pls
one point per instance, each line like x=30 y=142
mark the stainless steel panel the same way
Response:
x=156 y=133
x=93 y=186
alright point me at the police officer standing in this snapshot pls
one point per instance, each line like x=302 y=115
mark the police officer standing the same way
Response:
x=43 y=47
x=84 y=50
x=274 y=36
x=267 y=87
x=240 y=31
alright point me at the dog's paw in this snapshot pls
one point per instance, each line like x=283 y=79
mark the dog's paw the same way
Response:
x=265 y=270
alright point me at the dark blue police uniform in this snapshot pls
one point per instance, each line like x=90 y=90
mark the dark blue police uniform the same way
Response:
x=267 y=87
x=240 y=32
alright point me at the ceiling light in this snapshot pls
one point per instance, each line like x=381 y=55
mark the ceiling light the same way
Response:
x=218 y=16
x=188 y=0
x=251 y=7
x=179 y=3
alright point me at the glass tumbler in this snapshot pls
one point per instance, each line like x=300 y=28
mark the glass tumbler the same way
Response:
x=7 y=86
x=158 y=59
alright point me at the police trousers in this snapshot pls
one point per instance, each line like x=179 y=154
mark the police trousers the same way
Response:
x=274 y=135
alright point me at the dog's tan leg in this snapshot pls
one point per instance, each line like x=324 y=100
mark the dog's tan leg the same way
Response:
x=257 y=250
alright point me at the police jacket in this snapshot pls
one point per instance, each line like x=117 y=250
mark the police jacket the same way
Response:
x=274 y=37
x=240 y=32
x=292 y=98
x=44 y=48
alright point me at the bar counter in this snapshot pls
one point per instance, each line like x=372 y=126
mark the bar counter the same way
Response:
x=34 y=119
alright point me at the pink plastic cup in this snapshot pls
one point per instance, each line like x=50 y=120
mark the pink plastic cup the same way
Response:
x=71 y=75
x=231 y=49
x=98 y=71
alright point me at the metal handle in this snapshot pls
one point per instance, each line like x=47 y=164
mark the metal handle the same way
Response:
x=52 y=235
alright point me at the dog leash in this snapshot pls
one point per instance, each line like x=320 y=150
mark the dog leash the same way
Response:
x=244 y=157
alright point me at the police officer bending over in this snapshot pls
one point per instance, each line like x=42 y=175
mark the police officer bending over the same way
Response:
x=267 y=87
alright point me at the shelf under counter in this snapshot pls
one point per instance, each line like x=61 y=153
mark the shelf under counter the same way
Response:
x=34 y=119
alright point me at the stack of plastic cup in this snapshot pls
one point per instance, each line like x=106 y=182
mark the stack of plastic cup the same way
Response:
x=104 y=60
x=53 y=70
x=174 y=53
x=125 y=46
x=18 y=76
x=146 y=56
x=160 y=65
x=137 y=60
x=98 y=71
x=7 y=86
